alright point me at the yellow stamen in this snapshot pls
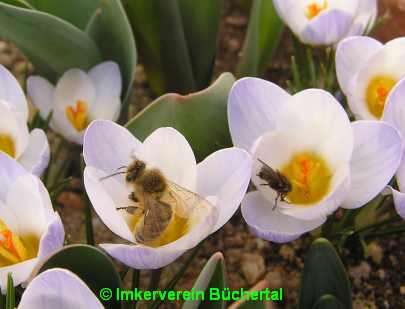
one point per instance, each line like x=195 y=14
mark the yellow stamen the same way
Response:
x=310 y=177
x=7 y=145
x=15 y=249
x=377 y=92
x=314 y=9
x=77 y=115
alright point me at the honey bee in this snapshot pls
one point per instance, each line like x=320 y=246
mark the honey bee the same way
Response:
x=276 y=181
x=158 y=199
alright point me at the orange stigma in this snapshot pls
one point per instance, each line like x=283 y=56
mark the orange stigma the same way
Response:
x=314 y=9
x=77 y=115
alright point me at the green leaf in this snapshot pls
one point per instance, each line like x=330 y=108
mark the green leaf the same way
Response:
x=201 y=117
x=51 y=44
x=262 y=39
x=159 y=31
x=212 y=276
x=92 y=265
x=201 y=21
x=19 y=3
x=328 y=302
x=323 y=274
x=76 y=12
x=110 y=29
x=10 y=298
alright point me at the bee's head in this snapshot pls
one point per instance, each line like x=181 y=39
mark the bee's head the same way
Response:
x=135 y=170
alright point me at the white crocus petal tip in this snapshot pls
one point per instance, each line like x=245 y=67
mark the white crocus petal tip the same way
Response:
x=250 y=111
x=376 y=157
x=273 y=225
x=58 y=288
x=36 y=156
x=399 y=202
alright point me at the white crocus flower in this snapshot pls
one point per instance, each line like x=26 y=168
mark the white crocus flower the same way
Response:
x=78 y=98
x=367 y=71
x=58 y=288
x=30 y=149
x=326 y=22
x=394 y=114
x=222 y=179
x=308 y=137
x=30 y=229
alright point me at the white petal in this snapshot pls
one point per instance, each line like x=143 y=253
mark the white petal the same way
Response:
x=168 y=150
x=37 y=155
x=226 y=175
x=106 y=108
x=327 y=28
x=273 y=225
x=318 y=114
x=351 y=55
x=104 y=204
x=253 y=105
x=10 y=170
x=106 y=78
x=74 y=85
x=61 y=124
x=376 y=157
x=26 y=202
x=10 y=91
x=20 y=272
x=365 y=18
x=401 y=175
x=53 y=238
x=108 y=146
x=399 y=202
x=394 y=109
x=41 y=92
x=58 y=288
x=292 y=12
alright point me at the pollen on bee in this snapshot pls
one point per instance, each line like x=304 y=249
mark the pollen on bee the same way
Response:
x=310 y=177
x=7 y=145
x=314 y=9
x=78 y=115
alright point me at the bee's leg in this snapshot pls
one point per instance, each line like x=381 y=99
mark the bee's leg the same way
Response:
x=276 y=200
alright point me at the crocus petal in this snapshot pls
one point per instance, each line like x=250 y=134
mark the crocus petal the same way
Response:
x=61 y=124
x=108 y=146
x=327 y=28
x=292 y=12
x=351 y=55
x=252 y=107
x=376 y=157
x=365 y=18
x=273 y=225
x=74 y=85
x=106 y=108
x=316 y=112
x=394 y=110
x=107 y=80
x=36 y=156
x=226 y=175
x=58 y=288
x=53 y=238
x=104 y=204
x=41 y=92
x=10 y=170
x=20 y=272
x=168 y=150
x=10 y=91
x=399 y=202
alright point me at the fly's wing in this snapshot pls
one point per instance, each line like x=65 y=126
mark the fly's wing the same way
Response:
x=184 y=202
x=155 y=220
x=268 y=170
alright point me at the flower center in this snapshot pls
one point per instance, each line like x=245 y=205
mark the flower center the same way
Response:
x=15 y=249
x=77 y=115
x=314 y=9
x=7 y=145
x=310 y=177
x=377 y=92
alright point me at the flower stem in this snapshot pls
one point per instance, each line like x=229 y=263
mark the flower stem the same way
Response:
x=178 y=275
x=87 y=210
x=398 y=230
x=135 y=283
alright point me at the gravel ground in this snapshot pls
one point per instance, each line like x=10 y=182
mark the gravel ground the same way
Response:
x=378 y=280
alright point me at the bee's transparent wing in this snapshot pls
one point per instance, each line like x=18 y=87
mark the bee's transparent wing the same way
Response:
x=186 y=203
